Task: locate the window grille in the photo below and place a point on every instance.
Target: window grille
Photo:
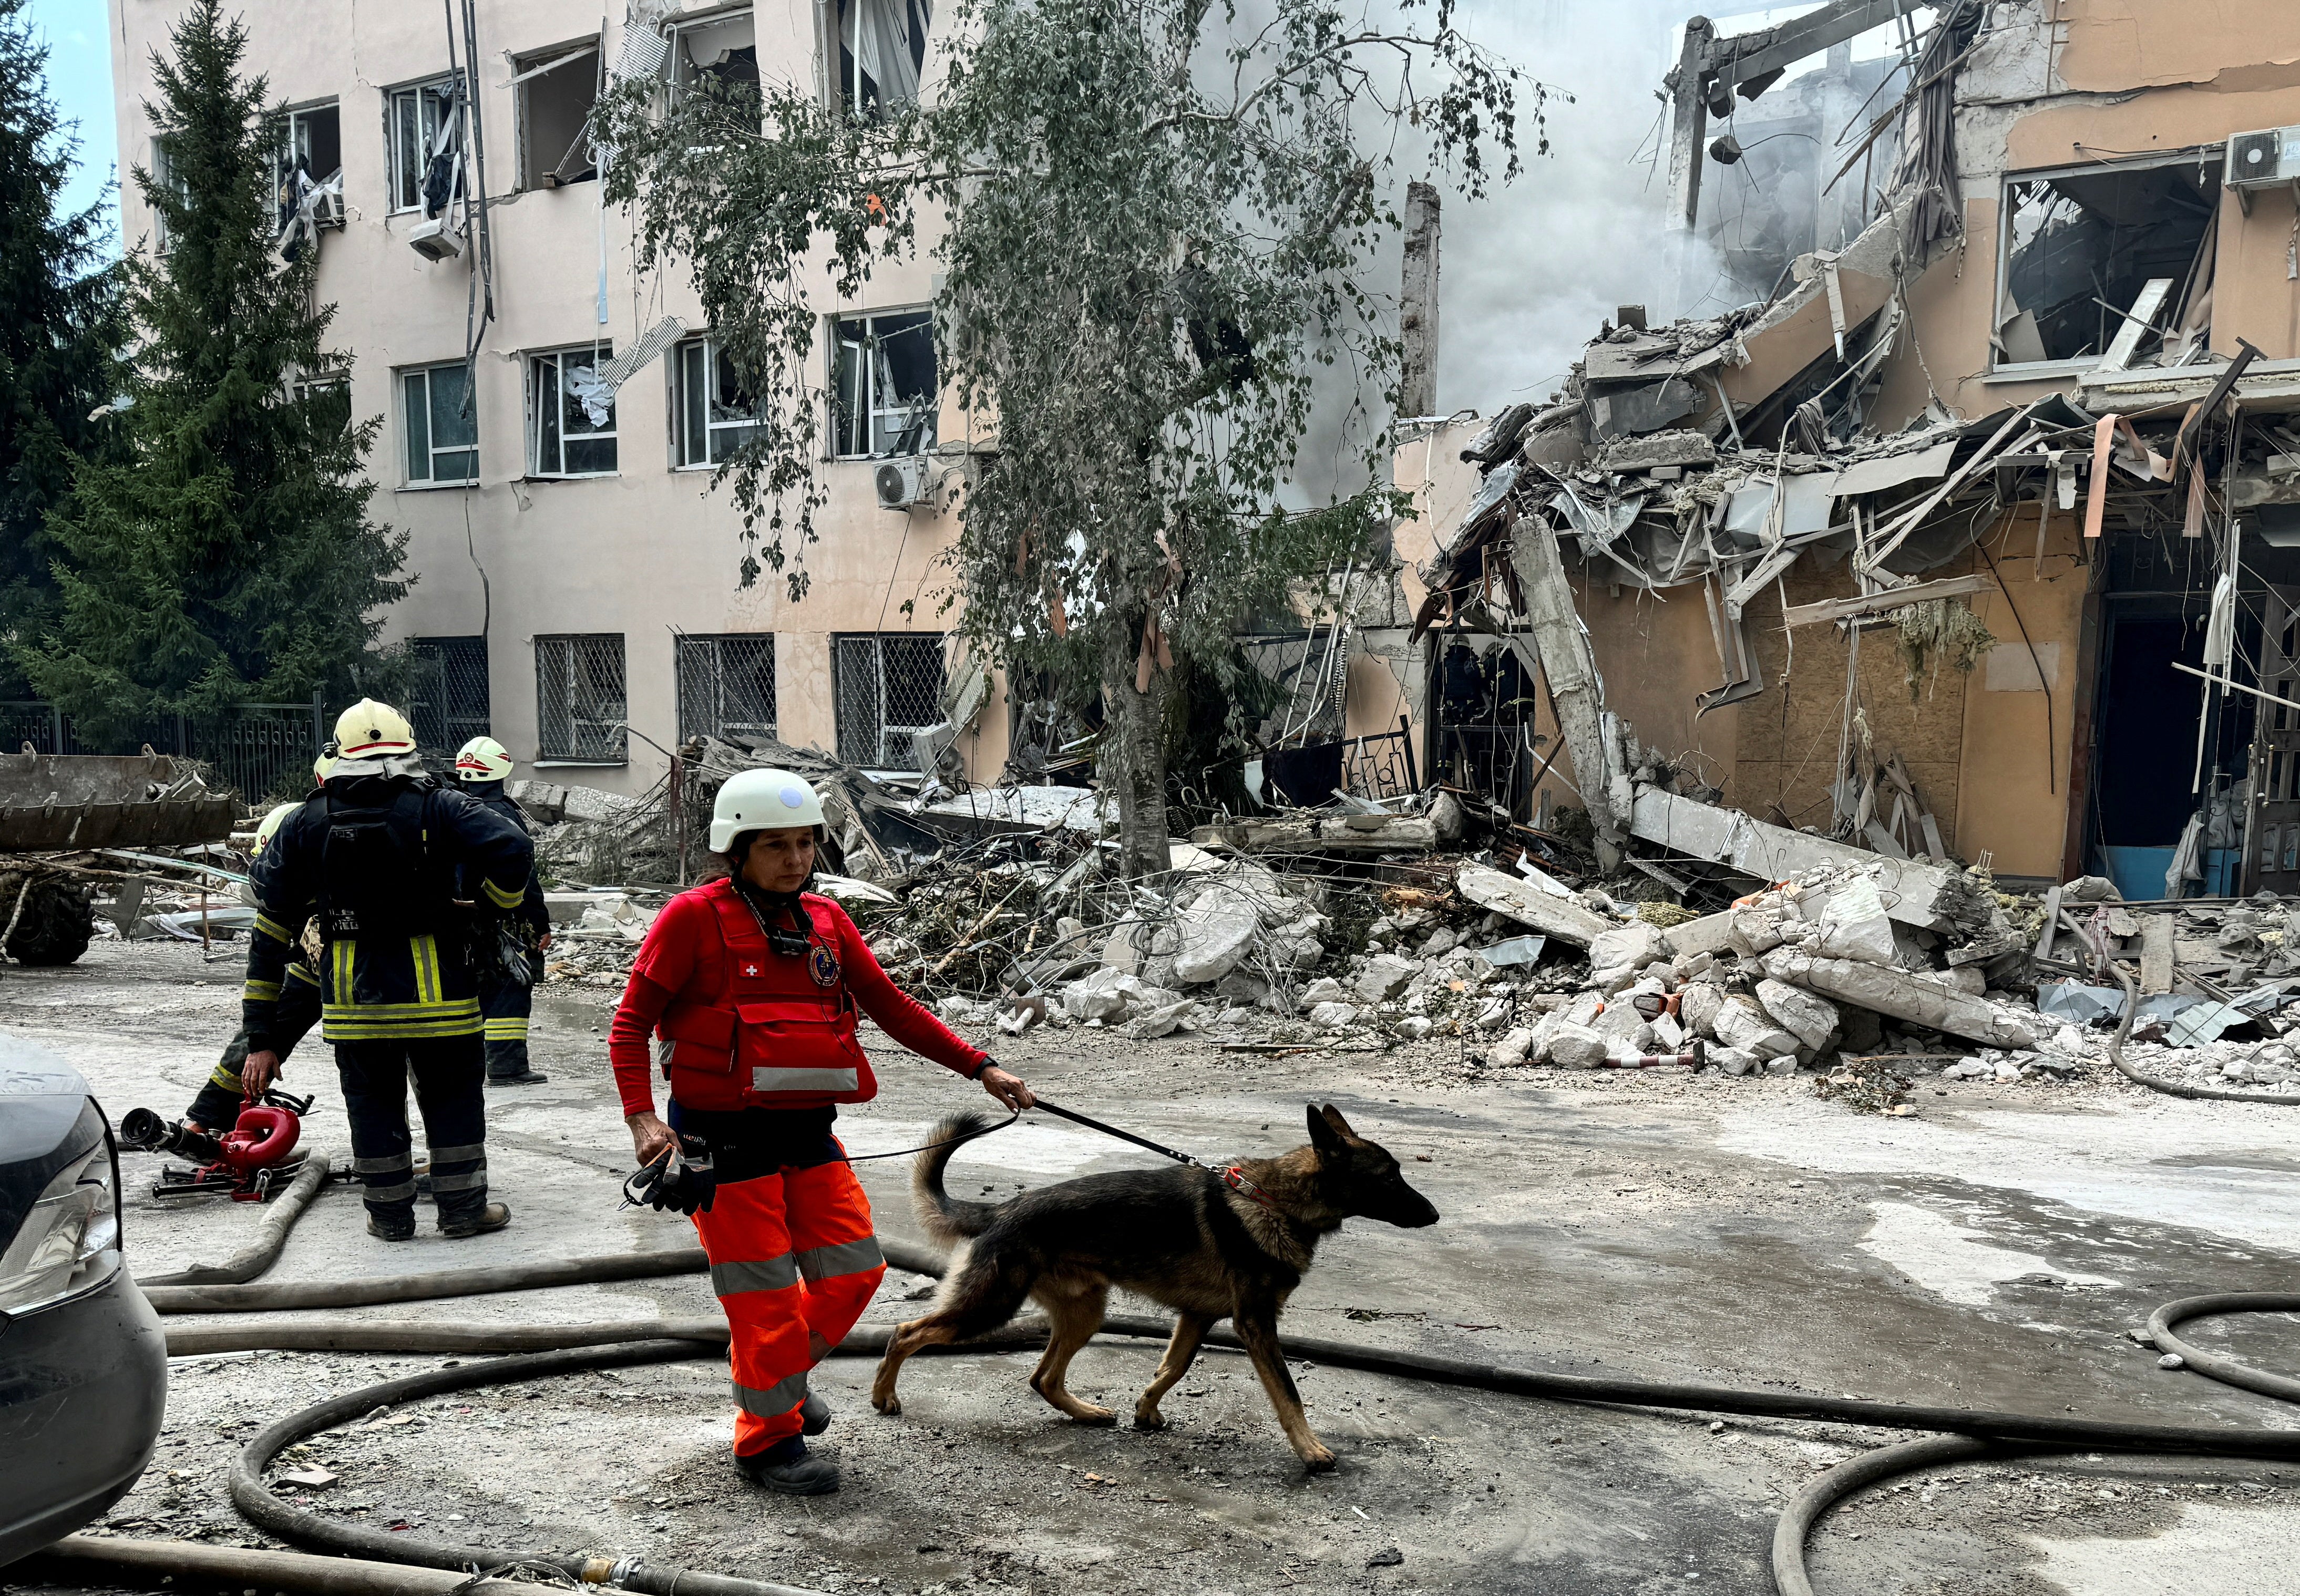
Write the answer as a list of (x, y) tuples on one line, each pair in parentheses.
[(882, 385), (727, 686), (580, 703), (716, 416), (571, 414), (888, 688), (424, 126), (441, 425), (449, 704)]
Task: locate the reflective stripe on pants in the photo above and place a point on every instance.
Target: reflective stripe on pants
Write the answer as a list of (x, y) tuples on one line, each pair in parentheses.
[(793, 1259)]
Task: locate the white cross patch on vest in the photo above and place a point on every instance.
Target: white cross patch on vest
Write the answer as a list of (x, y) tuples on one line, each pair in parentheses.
[(750, 969)]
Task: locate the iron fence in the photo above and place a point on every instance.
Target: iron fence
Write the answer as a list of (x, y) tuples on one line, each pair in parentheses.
[(888, 689), (259, 750), (727, 686)]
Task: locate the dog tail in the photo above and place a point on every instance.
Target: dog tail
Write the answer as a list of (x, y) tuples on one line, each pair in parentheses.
[(948, 1220)]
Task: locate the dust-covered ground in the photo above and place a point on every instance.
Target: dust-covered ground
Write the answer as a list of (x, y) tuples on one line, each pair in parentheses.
[(1990, 1252)]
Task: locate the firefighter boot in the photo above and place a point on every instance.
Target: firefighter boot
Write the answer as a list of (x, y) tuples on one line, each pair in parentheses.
[(786, 1467), (495, 1216), (815, 1416)]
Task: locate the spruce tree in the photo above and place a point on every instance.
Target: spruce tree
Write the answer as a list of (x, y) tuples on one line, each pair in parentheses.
[(229, 557), (56, 340)]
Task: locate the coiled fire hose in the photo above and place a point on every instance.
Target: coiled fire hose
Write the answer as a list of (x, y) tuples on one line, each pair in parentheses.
[(538, 1351)]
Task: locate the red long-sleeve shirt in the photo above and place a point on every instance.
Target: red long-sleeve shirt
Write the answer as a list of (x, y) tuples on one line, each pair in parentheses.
[(666, 964)]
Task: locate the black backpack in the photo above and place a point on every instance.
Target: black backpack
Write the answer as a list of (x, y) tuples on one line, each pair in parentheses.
[(377, 877)]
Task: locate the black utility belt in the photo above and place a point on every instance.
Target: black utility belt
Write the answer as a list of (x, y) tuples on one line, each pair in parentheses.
[(746, 1143)]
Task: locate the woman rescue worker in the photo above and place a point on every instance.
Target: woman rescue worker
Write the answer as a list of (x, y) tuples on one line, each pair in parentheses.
[(747, 988)]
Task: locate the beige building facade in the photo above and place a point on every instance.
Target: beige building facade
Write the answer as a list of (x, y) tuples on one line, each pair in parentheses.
[(578, 585)]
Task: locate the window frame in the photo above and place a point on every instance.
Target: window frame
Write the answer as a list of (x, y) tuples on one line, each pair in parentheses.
[(677, 63), (163, 175), (302, 388), (833, 389), (680, 420), (290, 120), (410, 482), (551, 643), (443, 87), (532, 363), (841, 689), (2001, 368), (456, 728), (526, 74), (686, 646)]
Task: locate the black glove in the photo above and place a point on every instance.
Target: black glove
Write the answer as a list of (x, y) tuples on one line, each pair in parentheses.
[(681, 1180)]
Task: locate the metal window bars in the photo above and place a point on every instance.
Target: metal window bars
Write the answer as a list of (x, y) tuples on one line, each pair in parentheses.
[(888, 689), (580, 700), (448, 701), (727, 686), (262, 751)]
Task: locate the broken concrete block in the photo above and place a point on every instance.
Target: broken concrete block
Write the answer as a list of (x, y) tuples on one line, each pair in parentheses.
[(1385, 975), (1621, 1020), (1242, 986), (1160, 1020), (1669, 1035), (589, 803), (1511, 1049), (1675, 448), (1753, 930), (1120, 953), (1853, 925), (1707, 934), (1920, 1000), (1211, 936), (1632, 946), (1810, 1019), (1325, 989), (1527, 905), (1785, 1065), (1101, 995), (1741, 1024), (1414, 1027), (1732, 1060), (1495, 1016), (1583, 1009), (544, 801), (1334, 1017), (1915, 890), (1697, 1007), (1574, 1047)]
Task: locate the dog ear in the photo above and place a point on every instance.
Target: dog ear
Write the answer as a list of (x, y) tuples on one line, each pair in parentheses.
[(1329, 1131)]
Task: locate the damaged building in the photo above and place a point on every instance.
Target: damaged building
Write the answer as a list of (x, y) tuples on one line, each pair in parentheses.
[(1978, 537)]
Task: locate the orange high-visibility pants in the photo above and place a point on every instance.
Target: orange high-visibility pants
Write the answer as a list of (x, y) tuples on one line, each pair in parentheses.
[(794, 1263)]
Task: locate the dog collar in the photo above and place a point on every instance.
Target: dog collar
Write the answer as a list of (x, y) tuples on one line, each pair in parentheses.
[(1235, 1179)]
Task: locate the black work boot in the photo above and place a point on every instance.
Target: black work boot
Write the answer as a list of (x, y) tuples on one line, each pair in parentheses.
[(813, 1415), (531, 1077), (786, 1467), (495, 1216), (391, 1227)]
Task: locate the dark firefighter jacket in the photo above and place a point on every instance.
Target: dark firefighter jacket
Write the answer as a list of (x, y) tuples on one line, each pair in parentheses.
[(533, 910), (379, 988)]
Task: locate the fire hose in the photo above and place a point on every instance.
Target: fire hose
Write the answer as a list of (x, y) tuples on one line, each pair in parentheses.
[(538, 1351)]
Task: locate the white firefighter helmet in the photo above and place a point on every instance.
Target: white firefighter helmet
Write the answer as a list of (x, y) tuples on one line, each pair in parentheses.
[(371, 730), (483, 758), (325, 765), (762, 801), (270, 827)]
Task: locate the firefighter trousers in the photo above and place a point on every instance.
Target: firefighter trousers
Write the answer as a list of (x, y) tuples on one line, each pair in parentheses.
[(794, 1262), (506, 1006), (448, 1094)]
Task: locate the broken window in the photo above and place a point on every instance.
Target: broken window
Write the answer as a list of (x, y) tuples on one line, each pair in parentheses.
[(2112, 264), (426, 147), (310, 151), (882, 390), (441, 425), (716, 414), (727, 686), (721, 49), (571, 414), (882, 51), (326, 398), (581, 703), (447, 704), (888, 689), (557, 89)]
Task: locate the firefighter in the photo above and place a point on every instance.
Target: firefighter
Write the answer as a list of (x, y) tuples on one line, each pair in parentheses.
[(376, 855), (753, 986), (297, 995), (507, 995)]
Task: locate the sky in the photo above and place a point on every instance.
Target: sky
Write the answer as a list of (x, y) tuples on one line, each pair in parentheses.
[(80, 78)]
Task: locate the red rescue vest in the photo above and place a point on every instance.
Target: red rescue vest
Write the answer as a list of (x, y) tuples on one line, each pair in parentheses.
[(757, 1029)]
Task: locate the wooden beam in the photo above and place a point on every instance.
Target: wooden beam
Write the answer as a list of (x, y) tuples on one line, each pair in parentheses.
[(1877, 604)]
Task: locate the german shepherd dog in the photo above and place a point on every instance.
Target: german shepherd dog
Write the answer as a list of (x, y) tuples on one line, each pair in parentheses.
[(1209, 1245)]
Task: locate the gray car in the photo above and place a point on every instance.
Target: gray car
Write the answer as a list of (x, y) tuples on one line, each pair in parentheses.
[(83, 1362)]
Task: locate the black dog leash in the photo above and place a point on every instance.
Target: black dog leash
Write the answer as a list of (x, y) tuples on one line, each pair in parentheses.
[(1111, 1130)]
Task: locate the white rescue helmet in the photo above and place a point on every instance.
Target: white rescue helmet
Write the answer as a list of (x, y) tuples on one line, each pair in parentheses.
[(325, 765), (762, 801), (271, 824), (371, 730), (483, 758)]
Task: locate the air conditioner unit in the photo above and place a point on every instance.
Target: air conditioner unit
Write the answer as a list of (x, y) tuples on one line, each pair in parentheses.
[(901, 483), (438, 239), (2267, 159)]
